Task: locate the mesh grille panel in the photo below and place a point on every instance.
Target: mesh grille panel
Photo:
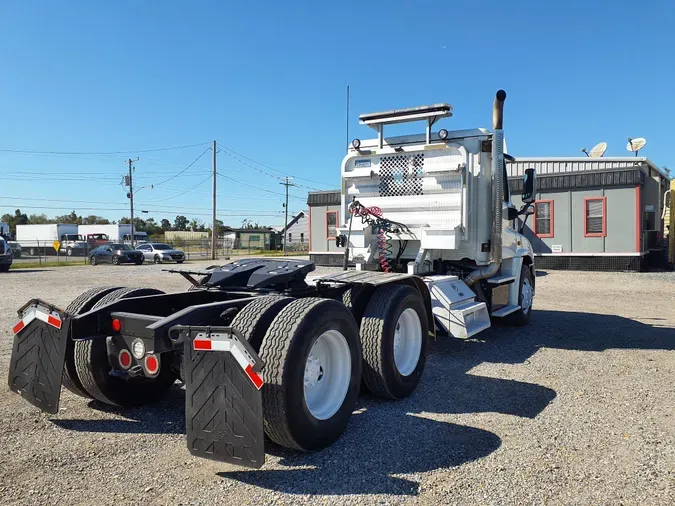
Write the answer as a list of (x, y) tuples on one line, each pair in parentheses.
[(401, 175)]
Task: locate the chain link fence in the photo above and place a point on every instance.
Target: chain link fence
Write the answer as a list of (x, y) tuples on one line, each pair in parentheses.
[(42, 253)]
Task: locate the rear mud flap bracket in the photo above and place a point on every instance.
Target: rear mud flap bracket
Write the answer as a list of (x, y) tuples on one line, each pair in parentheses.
[(223, 400)]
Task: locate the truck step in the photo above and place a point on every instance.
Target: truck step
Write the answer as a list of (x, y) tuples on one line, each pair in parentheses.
[(501, 280), (464, 320), (506, 310)]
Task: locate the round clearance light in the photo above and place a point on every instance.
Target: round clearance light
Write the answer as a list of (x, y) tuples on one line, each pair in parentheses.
[(116, 325), (356, 143), (443, 134), (138, 348), (151, 365), (124, 359)]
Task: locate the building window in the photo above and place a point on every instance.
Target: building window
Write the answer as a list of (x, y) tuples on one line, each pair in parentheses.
[(290, 237), (595, 216), (543, 218), (331, 224), (302, 237)]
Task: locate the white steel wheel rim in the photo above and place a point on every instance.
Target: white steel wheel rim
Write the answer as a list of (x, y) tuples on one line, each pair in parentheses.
[(328, 371), (526, 302), (407, 341)]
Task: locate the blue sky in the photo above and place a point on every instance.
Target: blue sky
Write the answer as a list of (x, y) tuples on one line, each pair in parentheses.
[(268, 81)]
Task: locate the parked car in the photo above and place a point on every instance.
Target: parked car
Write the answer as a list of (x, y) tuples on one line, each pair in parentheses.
[(159, 252), (115, 254), (5, 255), (16, 248)]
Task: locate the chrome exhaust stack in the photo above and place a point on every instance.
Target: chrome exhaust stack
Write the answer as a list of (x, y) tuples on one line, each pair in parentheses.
[(497, 192)]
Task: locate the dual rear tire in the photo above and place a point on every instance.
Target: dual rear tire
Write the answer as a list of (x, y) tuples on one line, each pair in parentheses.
[(316, 359), (87, 368)]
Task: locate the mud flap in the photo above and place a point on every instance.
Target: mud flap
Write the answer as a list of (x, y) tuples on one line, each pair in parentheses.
[(38, 355), (223, 401)]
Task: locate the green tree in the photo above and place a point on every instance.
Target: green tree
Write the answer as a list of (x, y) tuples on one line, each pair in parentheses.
[(71, 218), (95, 220), (38, 219), (18, 218), (180, 223), (166, 225)]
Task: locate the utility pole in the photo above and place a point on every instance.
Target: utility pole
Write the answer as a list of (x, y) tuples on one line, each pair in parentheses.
[(214, 233), (286, 184), (131, 197)]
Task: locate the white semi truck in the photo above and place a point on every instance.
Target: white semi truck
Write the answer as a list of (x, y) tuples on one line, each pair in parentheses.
[(39, 239), (263, 349)]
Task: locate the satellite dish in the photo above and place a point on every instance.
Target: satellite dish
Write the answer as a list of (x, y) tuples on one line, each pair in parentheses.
[(636, 144), (598, 150)]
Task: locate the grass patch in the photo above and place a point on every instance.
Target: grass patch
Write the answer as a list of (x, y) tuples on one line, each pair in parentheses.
[(37, 265)]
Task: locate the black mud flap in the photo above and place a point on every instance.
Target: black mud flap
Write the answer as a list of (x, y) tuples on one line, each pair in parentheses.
[(223, 401), (38, 355)]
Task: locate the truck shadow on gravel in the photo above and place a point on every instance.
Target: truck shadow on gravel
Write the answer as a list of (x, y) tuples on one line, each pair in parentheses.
[(418, 434), (408, 437)]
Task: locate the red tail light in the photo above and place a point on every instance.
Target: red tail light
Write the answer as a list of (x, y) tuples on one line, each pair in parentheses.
[(116, 325), (151, 365), (124, 359)]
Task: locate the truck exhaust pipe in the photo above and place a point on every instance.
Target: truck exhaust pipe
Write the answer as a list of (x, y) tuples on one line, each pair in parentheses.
[(497, 192)]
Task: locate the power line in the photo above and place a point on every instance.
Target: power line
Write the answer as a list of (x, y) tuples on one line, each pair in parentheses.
[(73, 153), (184, 192), (156, 208), (226, 149), (186, 168), (257, 187)]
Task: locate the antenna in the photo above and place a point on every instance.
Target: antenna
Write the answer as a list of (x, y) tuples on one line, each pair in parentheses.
[(636, 144), (598, 150)]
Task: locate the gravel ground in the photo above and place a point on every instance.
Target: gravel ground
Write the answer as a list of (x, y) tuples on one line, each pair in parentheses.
[(577, 408)]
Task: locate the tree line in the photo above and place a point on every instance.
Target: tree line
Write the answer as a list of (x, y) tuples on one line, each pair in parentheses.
[(149, 225)]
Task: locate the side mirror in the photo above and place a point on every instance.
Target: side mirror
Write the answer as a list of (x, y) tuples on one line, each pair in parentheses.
[(529, 186), (529, 210)]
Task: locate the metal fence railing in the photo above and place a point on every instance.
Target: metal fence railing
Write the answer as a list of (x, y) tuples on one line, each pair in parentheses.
[(42, 253)]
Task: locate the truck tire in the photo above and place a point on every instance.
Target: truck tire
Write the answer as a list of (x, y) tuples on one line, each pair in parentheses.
[(5, 267), (69, 251), (356, 299), (256, 317), (80, 305), (311, 340), (91, 362), (394, 332), (525, 298)]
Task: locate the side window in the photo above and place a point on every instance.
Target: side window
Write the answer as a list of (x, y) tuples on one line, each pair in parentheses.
[(331, 224), (302, 237), (543, 218), (290, 237), (595, 217)]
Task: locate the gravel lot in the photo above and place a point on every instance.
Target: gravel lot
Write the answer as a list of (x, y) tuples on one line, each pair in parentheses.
[(577, 408)]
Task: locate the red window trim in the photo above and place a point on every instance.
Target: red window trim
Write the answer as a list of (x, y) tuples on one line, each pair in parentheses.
[(604, 217), (326, 222), (534, 216)]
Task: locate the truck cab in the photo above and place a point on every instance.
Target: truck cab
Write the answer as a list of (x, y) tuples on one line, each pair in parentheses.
[(73, 244), (96, 240), (436, 204)]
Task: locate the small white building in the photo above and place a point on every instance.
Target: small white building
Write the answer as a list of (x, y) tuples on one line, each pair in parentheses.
[(297, 232)]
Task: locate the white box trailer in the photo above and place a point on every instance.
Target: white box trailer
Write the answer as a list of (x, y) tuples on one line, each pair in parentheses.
[(115, 233), (39, 239)]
